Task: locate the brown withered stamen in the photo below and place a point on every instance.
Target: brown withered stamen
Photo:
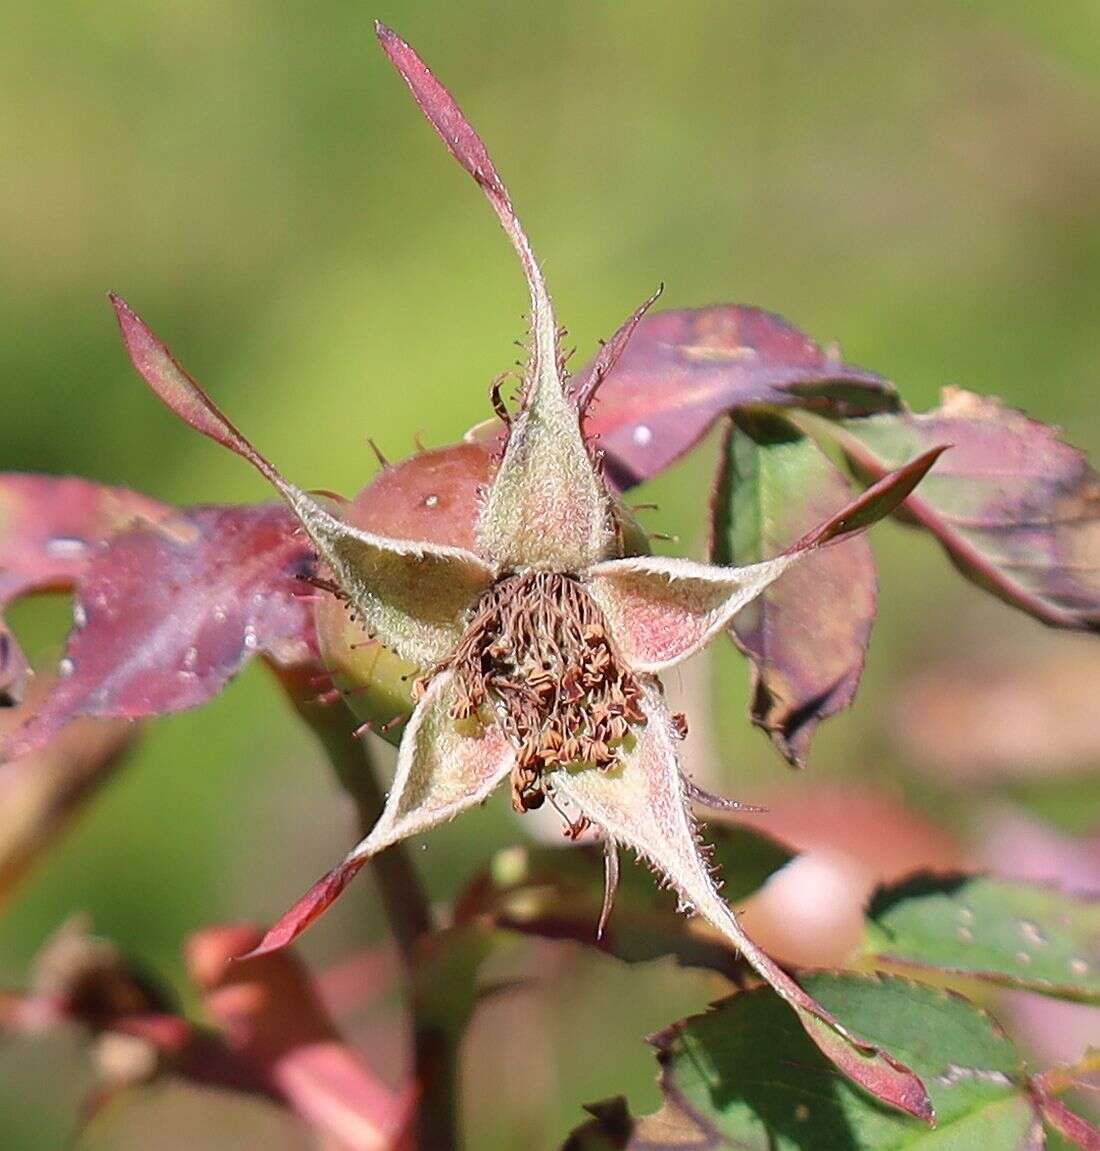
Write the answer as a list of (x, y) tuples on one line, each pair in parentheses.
[(537, 655)]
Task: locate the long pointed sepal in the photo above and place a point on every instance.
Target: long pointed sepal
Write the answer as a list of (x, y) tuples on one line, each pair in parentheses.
[(444, 767), (662, 610), (412, 596), (642, 805), (547, 506), (466, 146)]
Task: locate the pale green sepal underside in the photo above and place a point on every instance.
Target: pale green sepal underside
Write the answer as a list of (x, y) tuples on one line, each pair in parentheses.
[(443, 768), (662, 610), (641, 804), (547, 507), (411, 596)]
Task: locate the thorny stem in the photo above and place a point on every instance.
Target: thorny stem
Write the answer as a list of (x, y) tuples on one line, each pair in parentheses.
[(404, 901)]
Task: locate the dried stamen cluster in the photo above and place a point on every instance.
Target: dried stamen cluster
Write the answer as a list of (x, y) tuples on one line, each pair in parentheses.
[(537, 653)]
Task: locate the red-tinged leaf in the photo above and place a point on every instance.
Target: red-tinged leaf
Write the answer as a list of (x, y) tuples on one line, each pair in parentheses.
[(42, 793), (663, 610), (807, 634), (165, 615), (50, 528), (683, 370), (1015, 508)]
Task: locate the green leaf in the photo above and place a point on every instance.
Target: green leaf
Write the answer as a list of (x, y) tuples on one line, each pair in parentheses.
[(1019, 934), (807, 634), (745, 1076), (557, 892)]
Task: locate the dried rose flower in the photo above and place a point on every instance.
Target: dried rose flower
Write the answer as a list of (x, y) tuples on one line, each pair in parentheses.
[(538, 653)]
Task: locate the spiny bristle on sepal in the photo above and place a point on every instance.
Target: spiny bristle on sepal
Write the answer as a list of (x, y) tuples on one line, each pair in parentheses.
[(610, 884), (706, 798)]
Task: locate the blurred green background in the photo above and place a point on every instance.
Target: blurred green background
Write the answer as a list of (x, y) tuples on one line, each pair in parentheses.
[(918, 182)]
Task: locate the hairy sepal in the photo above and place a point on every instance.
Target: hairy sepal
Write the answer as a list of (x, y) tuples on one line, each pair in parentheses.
[(443, 768), (663, 610), (641, 804), (410, 595), (547, 506)]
